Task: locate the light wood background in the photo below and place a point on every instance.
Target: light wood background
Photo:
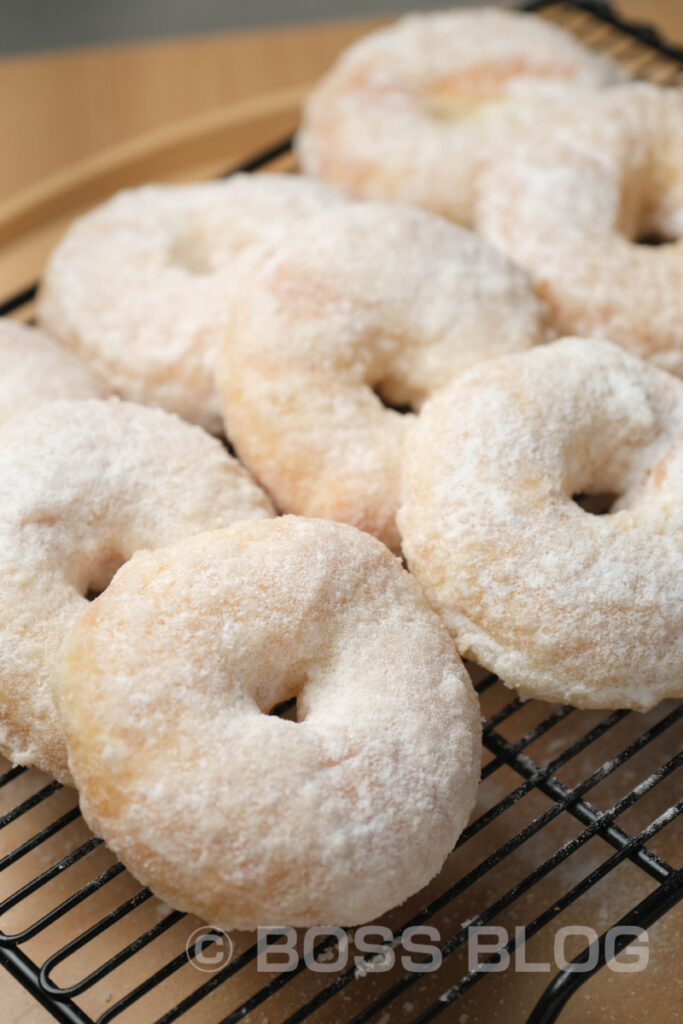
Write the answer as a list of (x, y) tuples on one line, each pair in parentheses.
[(57, 110)]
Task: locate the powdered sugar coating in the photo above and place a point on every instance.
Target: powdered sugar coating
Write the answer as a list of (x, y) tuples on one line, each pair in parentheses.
[(34, 368), (242, 817), (366, 297), (572, 199), (562, 604), (84, 485), (140, 287), (414, 111)]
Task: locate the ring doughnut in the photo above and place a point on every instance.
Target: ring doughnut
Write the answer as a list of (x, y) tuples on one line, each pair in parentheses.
[(84, 485), (34, 369), (140, 286), (572, 205), (212, 801), (413, 111), (562, 604), (365, 298)]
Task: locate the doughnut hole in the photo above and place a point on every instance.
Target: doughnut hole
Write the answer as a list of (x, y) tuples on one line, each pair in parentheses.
[(598, 492), (403, 376), (401, 407), (652, 201), (286, 709), (281, 698), (596, 504), (398, 387), (461, 94), (190, 252), (653, 238), (602, 456), (448, 99), (99, 573)]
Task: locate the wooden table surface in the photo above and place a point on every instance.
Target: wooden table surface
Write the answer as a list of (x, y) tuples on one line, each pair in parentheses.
[(57, 110)]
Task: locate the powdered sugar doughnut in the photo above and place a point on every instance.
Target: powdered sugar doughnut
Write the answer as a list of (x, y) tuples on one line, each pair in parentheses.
[(34, 369), (366, 298), (562, 604), (233, 813), (571, 205), (84, 485), (415, 110), (140, 287)]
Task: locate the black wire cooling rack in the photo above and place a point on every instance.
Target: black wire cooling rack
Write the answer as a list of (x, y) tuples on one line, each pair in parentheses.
[(577, 823)]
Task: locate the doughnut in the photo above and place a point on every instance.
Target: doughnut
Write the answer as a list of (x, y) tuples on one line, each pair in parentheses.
[(366, 298), (140, 286), (573, 204), (415, 110), (564, 604), (84, 485), (34, 369), (165, 688)]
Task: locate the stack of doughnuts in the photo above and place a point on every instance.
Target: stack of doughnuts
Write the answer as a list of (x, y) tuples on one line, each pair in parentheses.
[(426, 469)]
